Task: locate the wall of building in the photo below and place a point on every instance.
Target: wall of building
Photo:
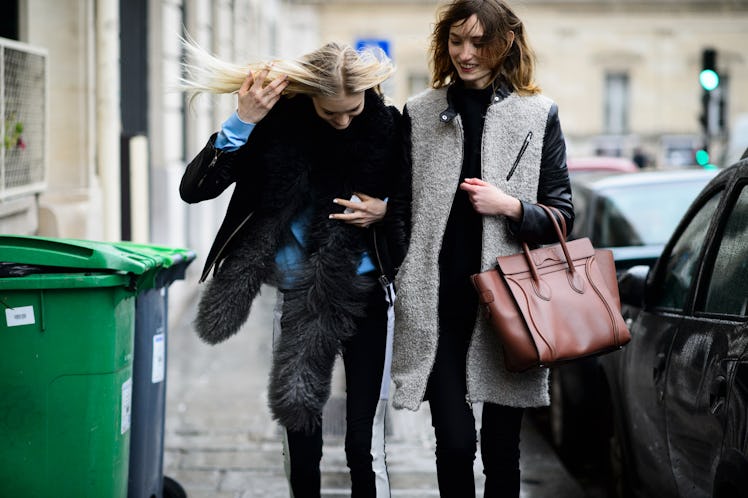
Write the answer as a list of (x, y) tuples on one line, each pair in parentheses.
[(72, 205), (656, 44)]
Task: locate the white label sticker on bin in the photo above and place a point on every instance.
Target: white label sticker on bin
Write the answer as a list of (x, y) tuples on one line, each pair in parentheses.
[(159, 357), (22, 315), (126, 406)]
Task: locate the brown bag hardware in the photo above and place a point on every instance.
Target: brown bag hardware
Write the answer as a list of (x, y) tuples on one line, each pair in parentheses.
[(553, 304)]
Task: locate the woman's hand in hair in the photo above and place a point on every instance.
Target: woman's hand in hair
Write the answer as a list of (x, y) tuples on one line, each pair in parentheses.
[(362, 212), (256, 100), (490, 200)]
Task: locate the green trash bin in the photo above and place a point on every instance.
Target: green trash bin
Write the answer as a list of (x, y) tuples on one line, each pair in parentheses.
[(146, 477), (66, 366)]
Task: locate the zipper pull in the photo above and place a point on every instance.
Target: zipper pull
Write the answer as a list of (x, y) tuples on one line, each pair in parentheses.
[(215, 158), (210, 166)]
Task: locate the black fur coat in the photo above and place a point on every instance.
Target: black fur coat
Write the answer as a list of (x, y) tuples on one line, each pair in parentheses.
[(294, 160)]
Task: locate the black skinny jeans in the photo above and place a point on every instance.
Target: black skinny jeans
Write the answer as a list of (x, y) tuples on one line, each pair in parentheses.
[(363, 359), (454, 424)]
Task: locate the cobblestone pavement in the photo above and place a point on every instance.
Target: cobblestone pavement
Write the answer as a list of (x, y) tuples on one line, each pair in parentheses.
[(221, 443)]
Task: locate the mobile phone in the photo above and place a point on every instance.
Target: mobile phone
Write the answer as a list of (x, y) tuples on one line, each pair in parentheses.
[(354, 198)]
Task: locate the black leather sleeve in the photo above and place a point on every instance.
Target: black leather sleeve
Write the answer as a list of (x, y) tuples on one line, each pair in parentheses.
[(397, 220), (213, 170), (208, 174), (553, 188)]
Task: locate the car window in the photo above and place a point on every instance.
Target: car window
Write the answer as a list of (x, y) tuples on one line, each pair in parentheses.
[(728, 286), (644, 215), (613, 228), (681, 264), (580, 201)]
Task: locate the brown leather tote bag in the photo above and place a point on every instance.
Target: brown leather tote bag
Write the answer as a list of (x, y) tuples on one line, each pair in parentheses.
[(553, 304)]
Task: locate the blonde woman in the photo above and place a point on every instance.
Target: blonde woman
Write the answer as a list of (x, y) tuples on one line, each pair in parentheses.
[(313, 151), (486, 146)]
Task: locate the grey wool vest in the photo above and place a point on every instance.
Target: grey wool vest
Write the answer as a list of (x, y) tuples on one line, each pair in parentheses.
[(437, 157)]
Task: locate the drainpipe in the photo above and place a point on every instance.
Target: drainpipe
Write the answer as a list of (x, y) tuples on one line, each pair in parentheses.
[(108, 121)]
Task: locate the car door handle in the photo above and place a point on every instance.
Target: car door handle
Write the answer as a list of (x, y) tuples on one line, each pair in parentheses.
[(717, 394)]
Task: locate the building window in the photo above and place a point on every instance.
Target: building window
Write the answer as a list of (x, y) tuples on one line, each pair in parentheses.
[(9, 20), (616, 103), (23, 81)]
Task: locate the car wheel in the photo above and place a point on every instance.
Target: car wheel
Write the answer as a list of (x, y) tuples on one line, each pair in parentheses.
[(731, 478)]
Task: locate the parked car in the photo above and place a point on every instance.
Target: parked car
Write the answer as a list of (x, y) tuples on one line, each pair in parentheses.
[(591, 164), (633, 214), (679, 390)]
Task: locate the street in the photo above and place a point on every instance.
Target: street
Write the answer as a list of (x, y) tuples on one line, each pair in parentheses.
[(220, 441)]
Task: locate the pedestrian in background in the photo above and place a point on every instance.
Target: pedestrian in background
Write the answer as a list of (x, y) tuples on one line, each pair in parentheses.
[(486, 146), (640, 158), (312, 151)]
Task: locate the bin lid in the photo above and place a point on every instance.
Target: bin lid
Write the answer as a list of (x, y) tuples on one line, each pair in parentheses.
[(162, 256), (72, 253), (170, 263)]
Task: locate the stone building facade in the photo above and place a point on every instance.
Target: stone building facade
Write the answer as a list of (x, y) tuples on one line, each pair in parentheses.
[(117, 135)]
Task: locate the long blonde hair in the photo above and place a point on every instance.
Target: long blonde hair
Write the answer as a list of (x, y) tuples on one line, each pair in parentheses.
[(332, 70)]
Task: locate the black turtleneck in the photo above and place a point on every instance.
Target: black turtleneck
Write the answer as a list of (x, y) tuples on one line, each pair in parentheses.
[(460, 255)]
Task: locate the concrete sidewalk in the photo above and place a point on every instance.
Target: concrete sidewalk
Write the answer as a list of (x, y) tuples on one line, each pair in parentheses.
[(220, 441)]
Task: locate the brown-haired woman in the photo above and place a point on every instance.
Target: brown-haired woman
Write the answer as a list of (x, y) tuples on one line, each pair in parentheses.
[(486, 146)]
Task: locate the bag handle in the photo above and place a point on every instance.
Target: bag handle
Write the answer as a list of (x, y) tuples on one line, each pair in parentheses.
[(559, 222), (575, 282)]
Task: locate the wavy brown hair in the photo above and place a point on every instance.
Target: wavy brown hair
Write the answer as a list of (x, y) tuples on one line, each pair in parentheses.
[(514, 62)]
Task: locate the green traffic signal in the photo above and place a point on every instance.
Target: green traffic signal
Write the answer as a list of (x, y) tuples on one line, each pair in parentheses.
[(702, 157), (709, 79)]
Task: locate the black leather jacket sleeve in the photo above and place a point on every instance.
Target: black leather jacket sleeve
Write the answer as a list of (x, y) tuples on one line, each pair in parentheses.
[(207, 175), (397, 219), (389, 237), (213, 170), (553, 189)]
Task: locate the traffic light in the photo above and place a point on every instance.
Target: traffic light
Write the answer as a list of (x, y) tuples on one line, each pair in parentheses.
[(712, 101), (703, 159), (709, 77)]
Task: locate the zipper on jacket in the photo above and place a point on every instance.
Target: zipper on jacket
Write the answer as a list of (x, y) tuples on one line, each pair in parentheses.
[(383, 280), (223, 247), (210, 165), (519, 155), (215, 158)]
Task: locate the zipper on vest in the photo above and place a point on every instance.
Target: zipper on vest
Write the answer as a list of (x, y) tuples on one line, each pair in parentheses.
[(519, 155)]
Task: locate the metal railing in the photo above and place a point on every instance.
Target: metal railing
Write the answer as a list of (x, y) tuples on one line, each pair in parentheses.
[(23, 125)]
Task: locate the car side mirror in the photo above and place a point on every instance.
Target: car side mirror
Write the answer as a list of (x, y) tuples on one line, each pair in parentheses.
[(632, 285)]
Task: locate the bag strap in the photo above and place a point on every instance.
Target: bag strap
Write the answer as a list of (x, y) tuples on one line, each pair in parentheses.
[(557, 216), (561, 239)]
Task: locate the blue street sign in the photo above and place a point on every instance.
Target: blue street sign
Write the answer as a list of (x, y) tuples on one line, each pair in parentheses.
[(363, 43)]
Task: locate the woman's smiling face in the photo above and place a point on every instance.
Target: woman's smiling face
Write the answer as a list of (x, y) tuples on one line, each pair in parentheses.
[(466, 52)]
